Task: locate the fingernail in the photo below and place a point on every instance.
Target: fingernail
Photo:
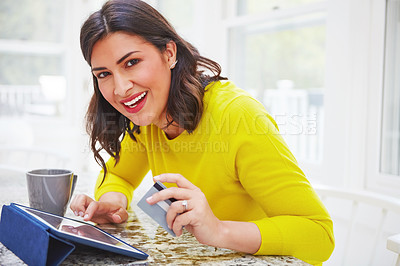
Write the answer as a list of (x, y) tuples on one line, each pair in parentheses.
[(76, 213), (86, 216), (81, 214), (157, 177), (149, 199)]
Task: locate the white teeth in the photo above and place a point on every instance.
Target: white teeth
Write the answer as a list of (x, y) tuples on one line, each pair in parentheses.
[(135, 100)]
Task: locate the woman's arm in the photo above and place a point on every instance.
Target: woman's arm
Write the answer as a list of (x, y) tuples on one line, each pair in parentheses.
[(296, 222), (240, 236), (199, 219), (114, 192)]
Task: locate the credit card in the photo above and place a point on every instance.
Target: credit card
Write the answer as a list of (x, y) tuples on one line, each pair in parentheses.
[(159, 210)]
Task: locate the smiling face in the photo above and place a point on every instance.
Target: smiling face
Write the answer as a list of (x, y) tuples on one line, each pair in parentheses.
[(134, 76)]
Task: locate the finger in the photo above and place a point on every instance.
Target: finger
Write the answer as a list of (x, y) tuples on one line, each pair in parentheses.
[(172, 192), (120, 216), (175, 209), (104, 212), (79, 204), (180, 222), (76, 202), (92, 208), (116, 218), (178, 179)]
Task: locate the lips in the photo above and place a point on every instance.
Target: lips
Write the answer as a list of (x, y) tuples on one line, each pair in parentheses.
[(135, 103)]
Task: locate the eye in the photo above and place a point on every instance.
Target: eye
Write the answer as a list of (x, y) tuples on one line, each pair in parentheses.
[(103, 75), (132, 62)]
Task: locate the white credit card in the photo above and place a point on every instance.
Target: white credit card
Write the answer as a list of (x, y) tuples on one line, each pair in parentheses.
[(159, 210), (163, 205)]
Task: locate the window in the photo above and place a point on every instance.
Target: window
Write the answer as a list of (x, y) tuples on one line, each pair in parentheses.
[(251, 7), (383, 108), (279, 57), (390, 138), (177, 12), (32, 57)]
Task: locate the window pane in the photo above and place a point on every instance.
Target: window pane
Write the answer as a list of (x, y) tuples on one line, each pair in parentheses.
[(39, 20), (390, 148), (178, 12), (31, 85), (20, 69), (249, 7), (32, 82), (286, 52), (283, 65)]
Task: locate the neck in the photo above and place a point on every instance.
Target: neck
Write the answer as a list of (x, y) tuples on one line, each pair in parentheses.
[(173, 131)]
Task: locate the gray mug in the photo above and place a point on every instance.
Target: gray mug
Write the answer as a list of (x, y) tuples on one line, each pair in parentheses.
[(50, 190)]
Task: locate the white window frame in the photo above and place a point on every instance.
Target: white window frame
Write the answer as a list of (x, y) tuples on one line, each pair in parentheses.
[(313, 170), (356, 36), (68, 49), (347, 59), (66, 132), (352, 96), (375, 180)]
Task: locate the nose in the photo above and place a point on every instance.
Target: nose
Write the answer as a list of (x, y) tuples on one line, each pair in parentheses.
[(121, 84)]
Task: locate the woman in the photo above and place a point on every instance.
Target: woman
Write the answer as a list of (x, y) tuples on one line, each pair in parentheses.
[(158, 105)]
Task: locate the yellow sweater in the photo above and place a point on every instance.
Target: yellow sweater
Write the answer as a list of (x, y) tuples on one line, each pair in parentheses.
[(243, 166)]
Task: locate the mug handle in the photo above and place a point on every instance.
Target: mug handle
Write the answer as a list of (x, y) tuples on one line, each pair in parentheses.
[(74, 184)]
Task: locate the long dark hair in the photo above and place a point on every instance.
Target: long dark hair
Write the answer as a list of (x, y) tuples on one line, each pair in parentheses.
[(105, 125)]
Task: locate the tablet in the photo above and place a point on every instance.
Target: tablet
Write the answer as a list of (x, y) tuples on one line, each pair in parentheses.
[(83, 233)]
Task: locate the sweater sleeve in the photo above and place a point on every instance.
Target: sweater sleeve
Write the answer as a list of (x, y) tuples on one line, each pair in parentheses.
[(126, 175), (296, 223)]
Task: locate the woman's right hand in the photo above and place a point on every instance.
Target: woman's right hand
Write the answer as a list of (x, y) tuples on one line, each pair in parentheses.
[(111, 208)]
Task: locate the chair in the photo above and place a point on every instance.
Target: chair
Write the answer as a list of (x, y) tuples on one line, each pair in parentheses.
[(393, 244), (363, 223)]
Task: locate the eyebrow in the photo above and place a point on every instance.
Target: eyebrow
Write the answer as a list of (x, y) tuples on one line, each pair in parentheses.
[(125, 56), (118, 62)]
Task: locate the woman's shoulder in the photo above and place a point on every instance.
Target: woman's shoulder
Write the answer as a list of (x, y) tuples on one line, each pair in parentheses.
[(224, 96), (233, 107), (223, 90)]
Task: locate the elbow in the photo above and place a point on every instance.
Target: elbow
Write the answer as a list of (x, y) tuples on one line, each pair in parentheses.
[(329, 242), (321, 247), (326, 247), (328, 250), (317, 255)]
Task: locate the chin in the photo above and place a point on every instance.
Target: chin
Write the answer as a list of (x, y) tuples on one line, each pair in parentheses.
[(141, 122)]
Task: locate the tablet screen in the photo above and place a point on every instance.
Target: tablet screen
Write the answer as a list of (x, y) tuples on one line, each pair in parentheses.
[(78, 229)]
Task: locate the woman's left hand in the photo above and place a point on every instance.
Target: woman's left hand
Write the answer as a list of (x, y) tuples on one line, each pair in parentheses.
[(197, 217)]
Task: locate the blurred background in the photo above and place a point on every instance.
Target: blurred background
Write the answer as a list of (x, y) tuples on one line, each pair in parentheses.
[(326, 70)]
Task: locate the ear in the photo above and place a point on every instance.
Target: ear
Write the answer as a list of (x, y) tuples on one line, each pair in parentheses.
[(170, 52)]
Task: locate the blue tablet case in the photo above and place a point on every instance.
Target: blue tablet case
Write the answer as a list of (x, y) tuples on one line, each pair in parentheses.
[(31, 241)]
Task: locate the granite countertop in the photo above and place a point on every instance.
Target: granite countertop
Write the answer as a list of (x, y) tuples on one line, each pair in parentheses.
[(141, 232)]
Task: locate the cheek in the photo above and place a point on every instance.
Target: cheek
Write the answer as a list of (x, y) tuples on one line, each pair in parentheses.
[(104, 93), (107, 94), (155, 76), (104, 88)]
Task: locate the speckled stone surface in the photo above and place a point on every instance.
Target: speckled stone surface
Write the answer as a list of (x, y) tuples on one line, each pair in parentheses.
[(141, 232)]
